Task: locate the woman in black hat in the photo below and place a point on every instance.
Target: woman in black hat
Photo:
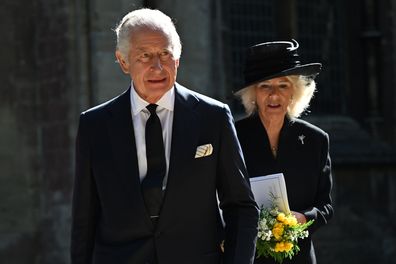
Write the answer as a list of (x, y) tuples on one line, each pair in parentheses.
[(278, 89)]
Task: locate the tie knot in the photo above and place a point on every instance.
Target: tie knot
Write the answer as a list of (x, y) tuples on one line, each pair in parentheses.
[(152, 108)]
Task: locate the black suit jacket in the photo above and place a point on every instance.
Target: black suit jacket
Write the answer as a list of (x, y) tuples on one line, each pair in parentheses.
[(110, 224), (306, 167)]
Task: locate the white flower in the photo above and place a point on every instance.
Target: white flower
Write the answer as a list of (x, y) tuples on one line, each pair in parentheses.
[(268, 235), (263, 224), (274, 212), (265, 235)]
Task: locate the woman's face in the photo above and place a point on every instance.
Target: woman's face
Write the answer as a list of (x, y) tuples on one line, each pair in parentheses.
[(273, 97)]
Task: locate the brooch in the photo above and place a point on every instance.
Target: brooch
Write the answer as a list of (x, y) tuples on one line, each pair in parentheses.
[(301, 138)]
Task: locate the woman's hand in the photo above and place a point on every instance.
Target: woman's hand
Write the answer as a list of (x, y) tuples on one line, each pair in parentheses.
[(301, 219)]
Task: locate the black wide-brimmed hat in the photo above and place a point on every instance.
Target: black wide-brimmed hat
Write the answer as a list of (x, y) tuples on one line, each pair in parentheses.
[(269, 60)]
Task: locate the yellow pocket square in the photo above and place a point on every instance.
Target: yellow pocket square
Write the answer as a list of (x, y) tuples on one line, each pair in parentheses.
[(203, 151)]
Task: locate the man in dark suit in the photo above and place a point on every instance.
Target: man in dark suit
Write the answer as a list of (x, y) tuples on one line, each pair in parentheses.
[(139, 198)]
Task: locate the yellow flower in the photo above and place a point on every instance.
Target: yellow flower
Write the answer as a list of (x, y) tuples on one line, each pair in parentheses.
[(288, 246), (291, 220), (281, 217), (279, 247), (277, 230), (283, 247)]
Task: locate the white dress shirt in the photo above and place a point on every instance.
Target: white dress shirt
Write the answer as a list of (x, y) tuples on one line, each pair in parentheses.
[(140, 114)]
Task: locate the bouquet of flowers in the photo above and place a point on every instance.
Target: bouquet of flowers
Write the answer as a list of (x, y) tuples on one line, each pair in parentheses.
[(278, 234)]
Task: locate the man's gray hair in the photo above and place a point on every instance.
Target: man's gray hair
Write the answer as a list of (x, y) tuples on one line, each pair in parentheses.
[(149, 18)]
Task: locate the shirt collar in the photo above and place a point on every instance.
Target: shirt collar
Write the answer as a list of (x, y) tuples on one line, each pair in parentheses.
[(167, 101)]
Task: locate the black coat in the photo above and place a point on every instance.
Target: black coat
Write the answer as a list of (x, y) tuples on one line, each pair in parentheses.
[(110, 224), (303, 158)]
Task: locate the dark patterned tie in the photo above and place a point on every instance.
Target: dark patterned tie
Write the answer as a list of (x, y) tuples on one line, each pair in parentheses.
[(156, 164)]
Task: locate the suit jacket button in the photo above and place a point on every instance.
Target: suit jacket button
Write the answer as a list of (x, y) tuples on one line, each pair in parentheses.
[(157, 234)]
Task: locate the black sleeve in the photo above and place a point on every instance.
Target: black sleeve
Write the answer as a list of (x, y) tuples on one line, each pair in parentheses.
[(240, 211), (322, 211), (85, 202)]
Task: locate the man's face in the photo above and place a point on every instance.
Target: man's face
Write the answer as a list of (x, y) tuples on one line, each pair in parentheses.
[(150, 64)]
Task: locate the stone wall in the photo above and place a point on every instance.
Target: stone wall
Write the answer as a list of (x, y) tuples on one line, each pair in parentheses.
[(362, 230), (36, 143), (364, 194), (107, 79)]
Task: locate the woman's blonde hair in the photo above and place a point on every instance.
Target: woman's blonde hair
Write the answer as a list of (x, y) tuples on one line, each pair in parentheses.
[(303, 91)]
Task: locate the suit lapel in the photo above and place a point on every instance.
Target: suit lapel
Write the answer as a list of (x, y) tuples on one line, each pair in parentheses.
[(185, 135), (123, 144)]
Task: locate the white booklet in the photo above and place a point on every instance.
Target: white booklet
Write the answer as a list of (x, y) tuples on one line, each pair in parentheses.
[(267, 187)]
